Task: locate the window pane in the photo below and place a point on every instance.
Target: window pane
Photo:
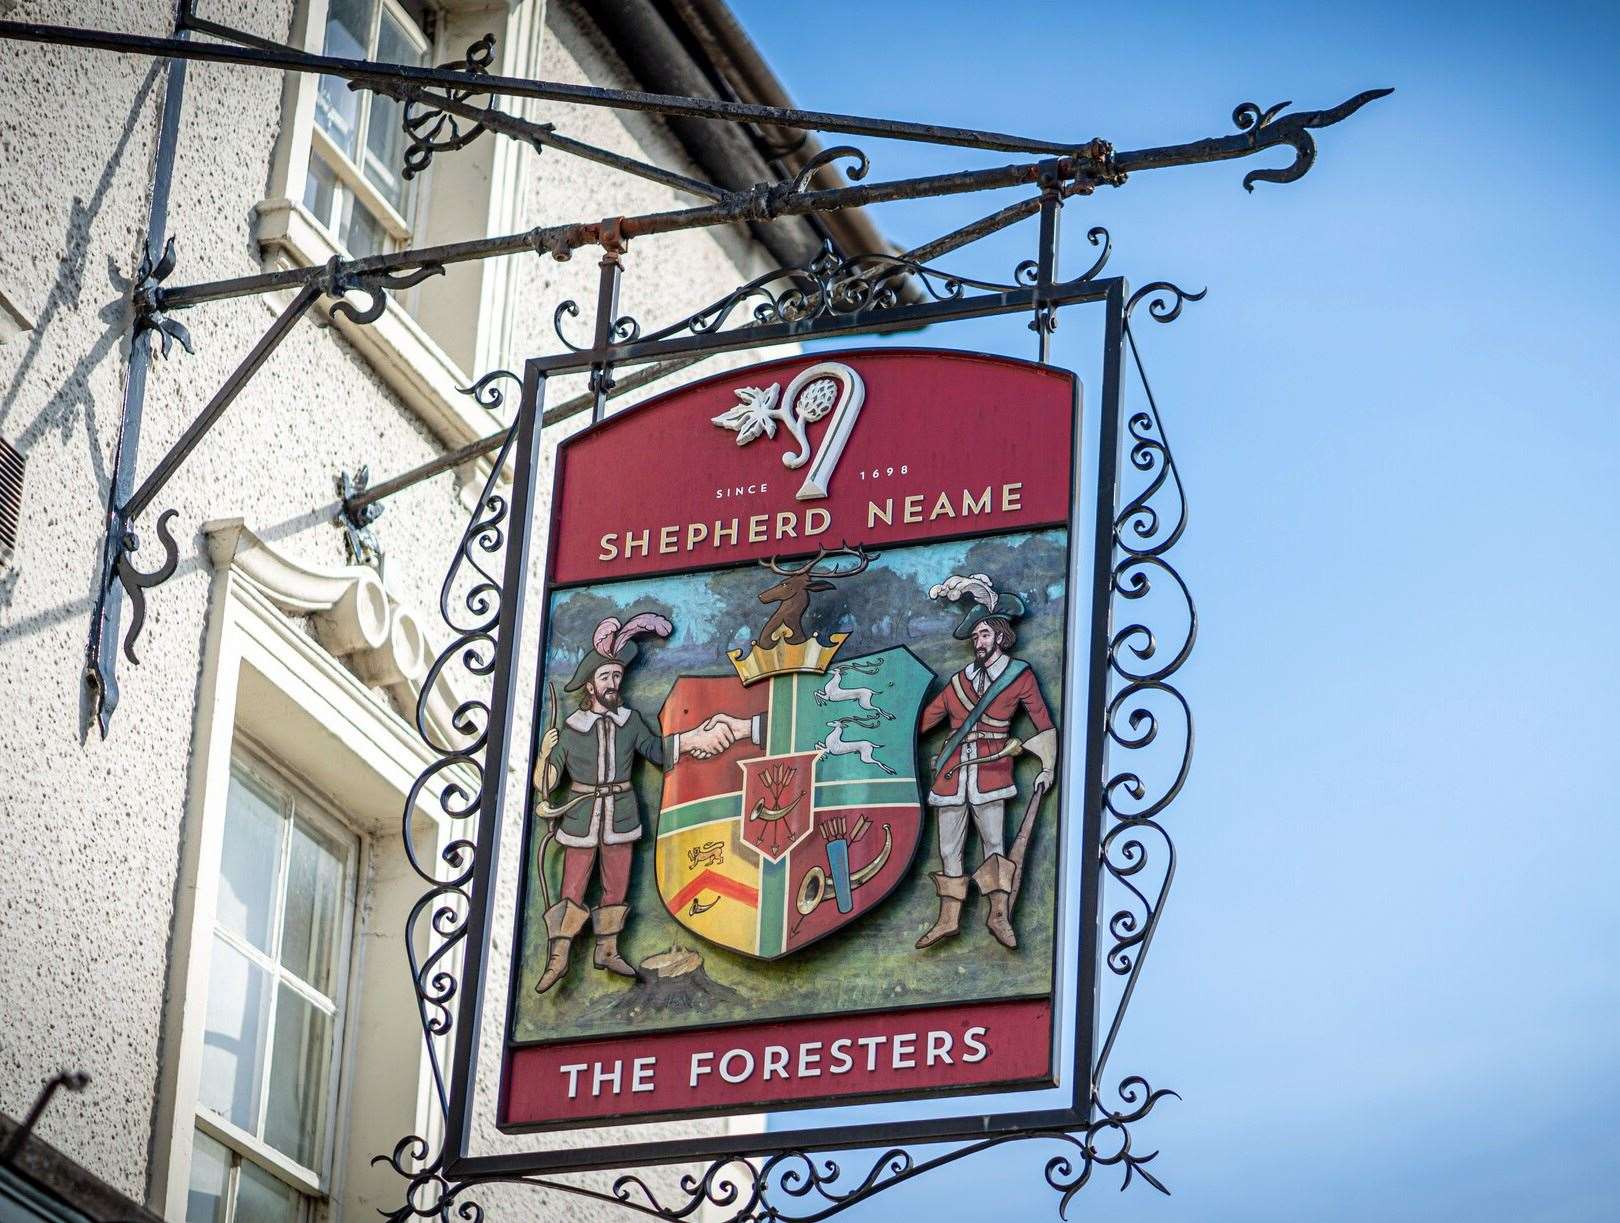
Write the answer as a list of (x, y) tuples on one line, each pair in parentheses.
[(295, 1121), (233, 1041), (320, 191), (363, 234), (261, 1198), (337, 107), (385, 139), (314, 907), (247, 868), (210, 1165)]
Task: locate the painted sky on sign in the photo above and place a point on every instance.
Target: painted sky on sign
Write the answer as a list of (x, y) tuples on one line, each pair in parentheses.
[(1387, 983)]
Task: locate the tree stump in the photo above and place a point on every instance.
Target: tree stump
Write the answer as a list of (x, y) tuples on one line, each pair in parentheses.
[(671, 982)]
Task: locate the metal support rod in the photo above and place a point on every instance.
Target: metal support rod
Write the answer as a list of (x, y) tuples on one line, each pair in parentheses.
[(607, 315), (240, 377), (504, 692), (1082, 169), (968, 234), (100, 669), (546, 91), (452, 459), (1094, 779), (1045, 320), (763, 203)]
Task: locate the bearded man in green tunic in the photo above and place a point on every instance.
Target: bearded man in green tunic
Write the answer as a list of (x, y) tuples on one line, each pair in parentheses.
[(597, 812)]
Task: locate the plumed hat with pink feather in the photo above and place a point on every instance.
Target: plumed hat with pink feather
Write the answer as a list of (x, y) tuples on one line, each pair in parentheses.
[(614, 642)]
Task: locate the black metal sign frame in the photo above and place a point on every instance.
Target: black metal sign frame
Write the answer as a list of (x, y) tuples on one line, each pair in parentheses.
[(1131, 700), (1120, 837)]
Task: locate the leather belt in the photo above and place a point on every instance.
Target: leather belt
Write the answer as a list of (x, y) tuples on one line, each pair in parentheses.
[(601, 791)]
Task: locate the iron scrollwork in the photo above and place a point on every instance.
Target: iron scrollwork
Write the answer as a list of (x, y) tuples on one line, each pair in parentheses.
[(829, 286), (136, 583), (433, 130), (470, 602), (339, 280), (486, 393), (1145, 710), (1267, 130), (148, 302)]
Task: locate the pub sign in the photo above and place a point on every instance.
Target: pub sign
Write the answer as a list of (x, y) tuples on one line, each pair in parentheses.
[(795, 822)]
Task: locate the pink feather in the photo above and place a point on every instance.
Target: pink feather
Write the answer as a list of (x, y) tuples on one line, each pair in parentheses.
[(602, 639), (637, 625)]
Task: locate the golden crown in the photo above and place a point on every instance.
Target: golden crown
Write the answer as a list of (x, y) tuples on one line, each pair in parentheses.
[(783, 658)]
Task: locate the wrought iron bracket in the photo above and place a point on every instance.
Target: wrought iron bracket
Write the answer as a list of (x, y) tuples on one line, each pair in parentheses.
[(359, 540), (147, 303), (120, 576)]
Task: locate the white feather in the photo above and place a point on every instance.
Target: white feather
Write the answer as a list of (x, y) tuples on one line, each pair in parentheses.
[(976, 586)]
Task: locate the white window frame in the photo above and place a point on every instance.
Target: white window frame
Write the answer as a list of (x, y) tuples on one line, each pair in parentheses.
[(351, 173), (313, 809), (271, 686), (487, 180)]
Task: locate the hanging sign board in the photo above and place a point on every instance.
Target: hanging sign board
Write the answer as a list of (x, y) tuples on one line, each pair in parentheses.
[(795, 829)]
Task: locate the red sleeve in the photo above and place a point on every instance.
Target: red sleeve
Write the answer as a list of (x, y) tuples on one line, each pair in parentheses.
[(934, 714), (1028, 691)]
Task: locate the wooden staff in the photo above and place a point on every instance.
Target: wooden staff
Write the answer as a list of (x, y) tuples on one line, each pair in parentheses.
[(547, 778)]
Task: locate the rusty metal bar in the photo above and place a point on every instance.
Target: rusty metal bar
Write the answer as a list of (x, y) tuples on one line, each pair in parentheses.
[(763, 203), (547, 91)]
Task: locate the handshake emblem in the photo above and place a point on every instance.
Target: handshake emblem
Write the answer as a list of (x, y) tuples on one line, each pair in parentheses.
[(716, 735)]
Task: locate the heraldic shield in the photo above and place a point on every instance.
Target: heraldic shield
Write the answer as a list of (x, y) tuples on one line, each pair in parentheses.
[(807, 821)]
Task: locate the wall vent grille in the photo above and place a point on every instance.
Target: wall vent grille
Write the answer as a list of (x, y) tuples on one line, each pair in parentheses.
[(11, 486)]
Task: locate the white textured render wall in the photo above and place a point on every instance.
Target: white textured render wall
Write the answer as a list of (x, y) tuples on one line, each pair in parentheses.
[(93, 829)]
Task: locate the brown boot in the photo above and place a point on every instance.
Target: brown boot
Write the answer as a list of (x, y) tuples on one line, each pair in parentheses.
[(564, 920), (952, 891), (608, 921), (995, 880)]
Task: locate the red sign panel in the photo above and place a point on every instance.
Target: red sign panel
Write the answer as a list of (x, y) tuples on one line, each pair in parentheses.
[(932, 445), (796, 814)]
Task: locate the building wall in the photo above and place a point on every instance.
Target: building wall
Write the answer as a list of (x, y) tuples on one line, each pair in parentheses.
[(96, 829)]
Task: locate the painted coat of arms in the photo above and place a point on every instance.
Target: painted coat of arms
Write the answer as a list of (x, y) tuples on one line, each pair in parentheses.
[(804, 810)]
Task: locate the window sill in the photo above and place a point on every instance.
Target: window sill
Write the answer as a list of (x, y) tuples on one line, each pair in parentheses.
[(403, 354)]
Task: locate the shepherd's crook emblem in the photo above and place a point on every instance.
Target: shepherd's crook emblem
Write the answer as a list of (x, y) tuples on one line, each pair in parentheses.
[(827, 386)]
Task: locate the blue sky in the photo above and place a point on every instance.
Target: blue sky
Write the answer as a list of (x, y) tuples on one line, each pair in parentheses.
[(1387, 984)]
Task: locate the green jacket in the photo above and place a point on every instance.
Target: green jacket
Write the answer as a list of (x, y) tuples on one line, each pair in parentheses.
[(595, 753)]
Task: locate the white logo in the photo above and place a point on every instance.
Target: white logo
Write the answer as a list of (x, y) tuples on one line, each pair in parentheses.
[(829, 386)]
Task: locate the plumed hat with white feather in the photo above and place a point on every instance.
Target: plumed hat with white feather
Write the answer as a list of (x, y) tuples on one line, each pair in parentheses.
[(614, 644), (984, 601)]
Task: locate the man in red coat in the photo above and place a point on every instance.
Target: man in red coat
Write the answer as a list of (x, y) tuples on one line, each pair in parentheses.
[(973, 774)]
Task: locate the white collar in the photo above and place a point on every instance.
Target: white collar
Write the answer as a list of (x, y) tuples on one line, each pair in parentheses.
[(993, 671), (584, 720)]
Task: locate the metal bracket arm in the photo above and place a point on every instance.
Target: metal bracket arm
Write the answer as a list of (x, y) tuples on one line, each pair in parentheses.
[(546, 91), (122, 542), (1078, 172)]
